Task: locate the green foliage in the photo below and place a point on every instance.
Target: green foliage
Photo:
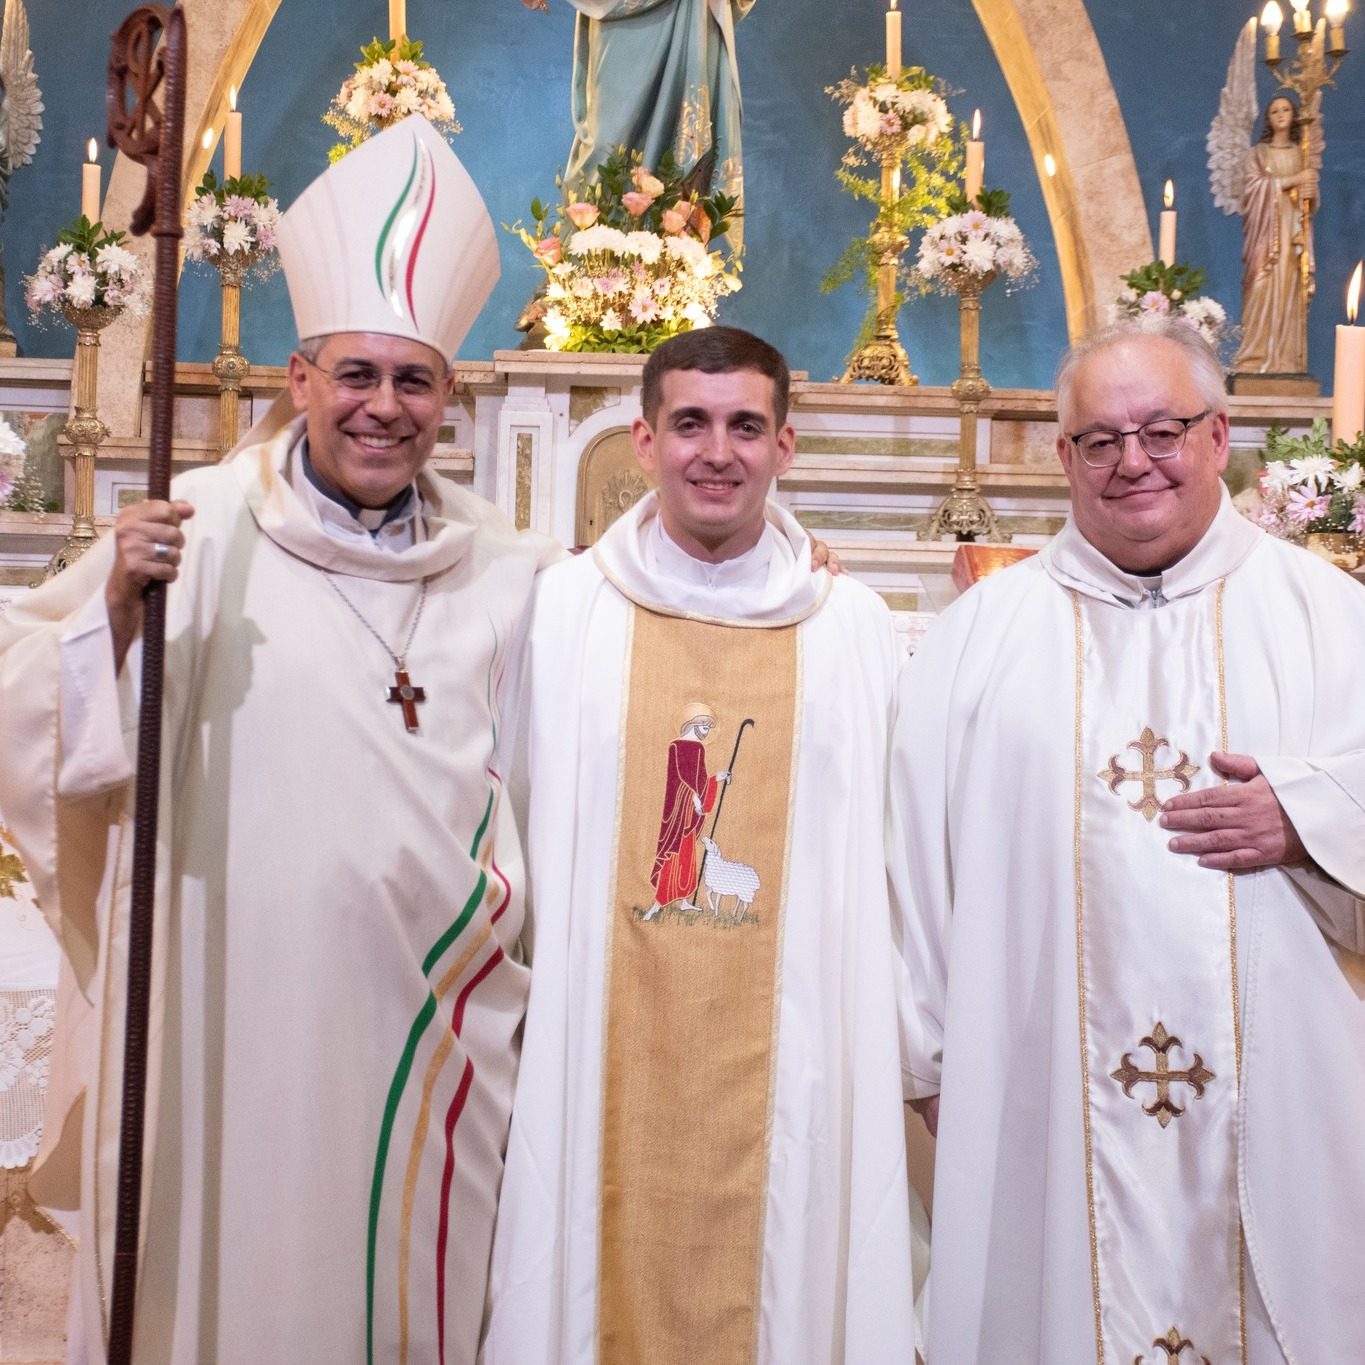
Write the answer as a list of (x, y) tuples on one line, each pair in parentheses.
[(87, 238), (1178, 282), (255, 187), (395, 50), (993, 203), (1281, 447)]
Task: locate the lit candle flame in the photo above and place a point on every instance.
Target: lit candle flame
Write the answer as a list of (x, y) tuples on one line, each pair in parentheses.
[(92, 150), (232, 97), (1169, 196), (208, 139), (976, 126), (1353, 293), (1049, 163), (1272, 17)]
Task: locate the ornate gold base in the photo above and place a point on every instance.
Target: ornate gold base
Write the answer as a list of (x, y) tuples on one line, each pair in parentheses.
[(73, 547), (965, 515), (883, 361)]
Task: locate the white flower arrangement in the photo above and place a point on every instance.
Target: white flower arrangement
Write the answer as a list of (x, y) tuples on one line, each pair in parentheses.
[(237, 220), (627, 258), (972, 243), (88, 268), (1155, 292), (13, 453), (886, 116), (1310, 485), (391, 81)]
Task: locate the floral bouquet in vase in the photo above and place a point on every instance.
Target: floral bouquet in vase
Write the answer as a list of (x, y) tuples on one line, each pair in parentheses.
[(972, 246), (1310, 489), (391, 81), (629, 259), (234, 223), (88, 270), (13, 453), (1159, 290)]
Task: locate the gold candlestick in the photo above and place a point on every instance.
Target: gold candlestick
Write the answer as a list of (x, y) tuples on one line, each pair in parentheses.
[(964, 514), (83, 431), (883, 359), (230, 366)]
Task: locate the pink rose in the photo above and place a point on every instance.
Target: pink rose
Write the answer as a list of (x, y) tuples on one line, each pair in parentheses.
[(646, 183), (582, 215), (637, 201), (549, 250), (675, 220)]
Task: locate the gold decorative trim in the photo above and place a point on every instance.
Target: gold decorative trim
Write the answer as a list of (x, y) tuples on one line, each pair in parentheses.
[(525, 448), (1223, 740), (1079, 637)]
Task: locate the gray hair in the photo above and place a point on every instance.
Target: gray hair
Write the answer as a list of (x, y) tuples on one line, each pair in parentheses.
[(1205, 368), (311, 347)]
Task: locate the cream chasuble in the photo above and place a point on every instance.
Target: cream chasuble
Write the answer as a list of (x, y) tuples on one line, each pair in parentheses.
[(337, 981), (707, 1154), (1152, 1074)]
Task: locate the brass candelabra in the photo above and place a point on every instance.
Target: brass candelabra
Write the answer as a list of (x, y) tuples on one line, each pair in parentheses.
[(883, 359), (84, 431), (230, 367), (964, 514)]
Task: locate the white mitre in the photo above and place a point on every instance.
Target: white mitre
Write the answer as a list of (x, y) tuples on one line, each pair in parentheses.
[(393, 238)]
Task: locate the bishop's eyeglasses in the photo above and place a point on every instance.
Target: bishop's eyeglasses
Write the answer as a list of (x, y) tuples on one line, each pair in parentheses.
[(1161, 439), (362, 379)]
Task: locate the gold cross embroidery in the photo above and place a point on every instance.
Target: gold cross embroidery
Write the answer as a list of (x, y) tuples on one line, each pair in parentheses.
[(1163, 1108), (1147, 744), (1174, 1344)]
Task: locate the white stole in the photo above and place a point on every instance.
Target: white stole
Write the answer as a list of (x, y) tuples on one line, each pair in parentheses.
[(1156, 953)]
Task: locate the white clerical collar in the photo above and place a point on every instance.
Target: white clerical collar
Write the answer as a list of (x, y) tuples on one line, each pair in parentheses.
[(770, 585), (666, 557), (1074, 562), (397, 527)]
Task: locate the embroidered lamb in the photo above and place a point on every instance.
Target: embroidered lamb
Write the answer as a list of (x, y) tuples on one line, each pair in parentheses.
[(724, 878)]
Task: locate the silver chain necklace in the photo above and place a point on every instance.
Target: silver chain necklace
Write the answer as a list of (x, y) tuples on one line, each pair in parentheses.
[(404, 692)]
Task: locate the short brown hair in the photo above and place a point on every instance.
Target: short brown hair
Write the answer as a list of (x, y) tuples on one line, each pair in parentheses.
[(716, 350)]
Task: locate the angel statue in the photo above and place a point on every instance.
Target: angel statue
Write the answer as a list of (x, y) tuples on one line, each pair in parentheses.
[(21, 122), (1273, 184)]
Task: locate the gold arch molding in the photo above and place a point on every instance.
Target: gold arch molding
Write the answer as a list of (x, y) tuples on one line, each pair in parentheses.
[(1052, 63)]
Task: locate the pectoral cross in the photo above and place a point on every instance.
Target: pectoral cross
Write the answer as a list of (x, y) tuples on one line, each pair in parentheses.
[(404, 694)]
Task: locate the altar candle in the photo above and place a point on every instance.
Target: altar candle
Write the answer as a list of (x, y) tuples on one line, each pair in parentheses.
[(1272, 16), (893, 40), (976, 160), (1335, 11), (90, 183), (232, 140), (1166, 254), (1303, 21), (1348, 386), (398, 19)]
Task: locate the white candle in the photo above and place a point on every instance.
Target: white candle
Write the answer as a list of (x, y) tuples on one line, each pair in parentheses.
[(232, 140), (398, 19), (893, 40), (976, 160), (1166, 252), (1348, 385), (1303, 21), (1272, 16), (90, 183)]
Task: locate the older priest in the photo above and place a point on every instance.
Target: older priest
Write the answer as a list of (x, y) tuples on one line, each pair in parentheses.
[(707, 1155), (1128, 788), (339, 885)]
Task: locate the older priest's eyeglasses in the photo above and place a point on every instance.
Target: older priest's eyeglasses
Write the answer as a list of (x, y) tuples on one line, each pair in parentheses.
[(362, 380), (1161, 439)]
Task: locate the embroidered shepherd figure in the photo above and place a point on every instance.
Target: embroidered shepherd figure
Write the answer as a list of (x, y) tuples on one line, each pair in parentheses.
[(688, 795)]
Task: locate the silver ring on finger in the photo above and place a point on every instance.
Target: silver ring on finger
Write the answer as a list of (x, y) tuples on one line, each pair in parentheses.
[(161, 550)]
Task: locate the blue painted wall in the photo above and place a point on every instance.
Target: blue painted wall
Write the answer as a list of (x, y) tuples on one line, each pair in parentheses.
[(508, 70)]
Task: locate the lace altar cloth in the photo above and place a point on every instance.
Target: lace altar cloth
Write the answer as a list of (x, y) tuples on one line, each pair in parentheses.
[(28, 990)]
